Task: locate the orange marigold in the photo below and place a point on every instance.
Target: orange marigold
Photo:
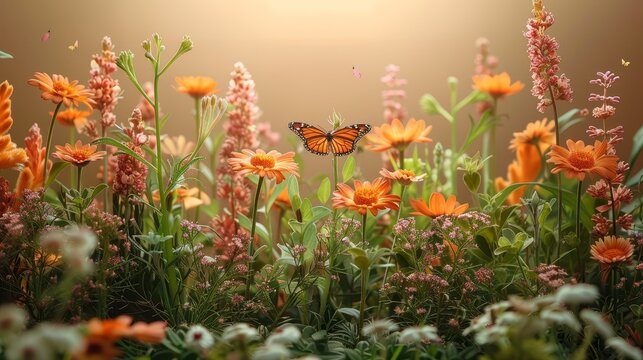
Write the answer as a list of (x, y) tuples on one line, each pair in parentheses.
[(366, 196), (538, 133), (397, 136), (79, 154), (57, 88), (496, 86), (271, 165), (402, 176), (196, 86), (579, 159), (438, 206)]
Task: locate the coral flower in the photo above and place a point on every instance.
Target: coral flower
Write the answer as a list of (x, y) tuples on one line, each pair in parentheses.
[(152, 333), (611, 250), (109, 330), (272, 164), (397, 136), (579, 159), (438, 206), (72, 117), (177, 146), (196, 86), (79, 154), (10, 154), (402, 176), (367, 196), (496, 86), (188, 198), (539, 133), (58, 89)]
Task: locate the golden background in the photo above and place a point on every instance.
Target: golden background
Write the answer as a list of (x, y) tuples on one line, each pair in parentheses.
[(300, 53)]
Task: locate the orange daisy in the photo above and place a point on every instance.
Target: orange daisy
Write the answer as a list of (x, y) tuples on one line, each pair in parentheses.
[(57, 88), (10, 155), (612, 250), (438, 206), (196, 86), (402, 176), (79, 154), (539, 133), (496, 86), (366, 196), (272, 164), (579, 159), (397, 136), (72, 117)]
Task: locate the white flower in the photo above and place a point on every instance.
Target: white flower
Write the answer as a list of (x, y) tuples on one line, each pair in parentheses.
[(416, 335), (623, 348), (286, 335), (559, 316), (491, 335), (81, 241), (240, 332), (75, 243), (198, 338), (12, 320), (61, 338), (577, 294), (596, 320), (271, 352), (379, 328), (29, 346)]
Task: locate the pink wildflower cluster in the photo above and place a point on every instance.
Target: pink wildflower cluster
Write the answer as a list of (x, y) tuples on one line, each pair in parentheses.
[(461, 229), (550, 277), (240, 134), (544, 61), (606, 110), (131, 174), (106, 90), (484, 65), (393, 94)]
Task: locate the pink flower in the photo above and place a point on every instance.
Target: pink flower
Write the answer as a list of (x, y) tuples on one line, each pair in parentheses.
[(106, 90), (393, 95), (131, 174)]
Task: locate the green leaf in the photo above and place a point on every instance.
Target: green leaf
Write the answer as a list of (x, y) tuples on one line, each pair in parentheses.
[(566, 118), (636, 148), (55, 170), (476, 130), (4, 55), (544, 212), (350, 312), (431, 106), (349, 169), (500, 197), (293, 189), (323, 193), (122, 147), (260, 229)]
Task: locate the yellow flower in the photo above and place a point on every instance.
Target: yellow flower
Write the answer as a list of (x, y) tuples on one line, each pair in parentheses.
[(397, 136), (496, 85)]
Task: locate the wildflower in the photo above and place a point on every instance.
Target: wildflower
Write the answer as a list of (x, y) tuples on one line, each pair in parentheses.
[(196, 86), (152, 333), (611, 250), (624, 348), (598, 322), (417, 335), (32, 175), (402, 176), (561, 317), (577, 294), (497, 86), (579, 159), (271, 352), (60, 339), (130, 174), (366, 197), (79, 155), (106, 89), (240, 332), (397, 136), (606, 110), (58, 89), (550, 275), (438, 206), (177, 146), (539, 133), (393, 95), (13, 320), (272, 164), (285, 335), (72, 117), (10, 155), (29, 346), (191, 198), (379, 328)]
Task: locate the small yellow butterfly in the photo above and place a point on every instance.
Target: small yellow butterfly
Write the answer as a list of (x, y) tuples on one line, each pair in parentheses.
[(625, 63), (74, 46)]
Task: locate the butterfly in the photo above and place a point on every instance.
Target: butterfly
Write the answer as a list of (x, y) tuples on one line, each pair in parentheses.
[(625, 63), (45, 36), (357, 73), (74, 46), (340, 142)]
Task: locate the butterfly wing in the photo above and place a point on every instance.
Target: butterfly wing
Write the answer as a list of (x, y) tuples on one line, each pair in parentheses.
[(313, 137), (345, 139)]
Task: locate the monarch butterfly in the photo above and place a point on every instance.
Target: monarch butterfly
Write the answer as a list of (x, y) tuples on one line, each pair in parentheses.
[(340, 142)]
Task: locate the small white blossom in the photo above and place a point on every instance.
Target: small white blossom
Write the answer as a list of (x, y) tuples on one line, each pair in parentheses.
[(286, 335), (240, 332), (577, 294), (416, 335), (562, 317), (596, 320), (198, 338), (29, 346), (271, 352), (61, 338), (13, 320), (623, 348), (379, 328)]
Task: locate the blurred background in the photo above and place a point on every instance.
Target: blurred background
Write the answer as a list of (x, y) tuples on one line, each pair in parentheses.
[(301, 55)]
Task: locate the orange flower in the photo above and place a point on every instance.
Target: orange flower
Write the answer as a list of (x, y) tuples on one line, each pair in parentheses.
[(110, 330), (10, 155), (438, 206), (396, 136), (196, 86), (58, 89), (538, 133), (32, 175), (97, 349), (579, 159), (496, 85), (402, 176), (79, 154), (72, 117), (367, 196), (282, 200), (452, 251), (177, 146), (611, 250), (152, 333), (272, 164)]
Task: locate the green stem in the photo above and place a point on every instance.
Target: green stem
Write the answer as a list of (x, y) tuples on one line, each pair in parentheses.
[(252, 236), (72, 140), (579, 194), (80, 204), (559, 180), (614, 214), (105, 173), (455, 153), (364, 229), (401, 154), (363, 282), (48, 144), (492, 145), (388, 258), (197, 107)]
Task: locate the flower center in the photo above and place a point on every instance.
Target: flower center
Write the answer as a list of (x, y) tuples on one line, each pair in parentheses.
[(613, 253), (263, 160), (407, 173), (365, 196), (581, 159)]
